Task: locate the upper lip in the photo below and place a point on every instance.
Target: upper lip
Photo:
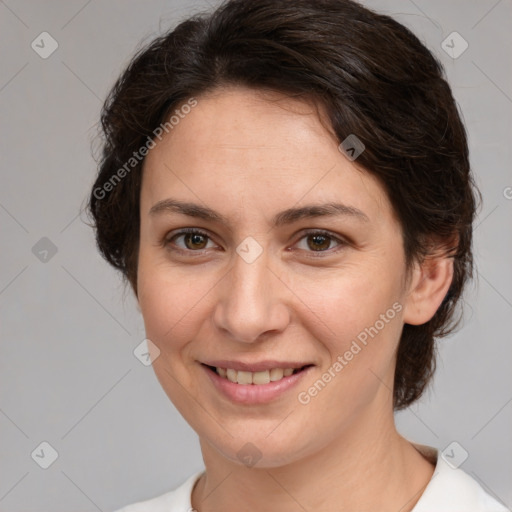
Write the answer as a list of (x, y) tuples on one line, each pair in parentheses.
[(258, 366)]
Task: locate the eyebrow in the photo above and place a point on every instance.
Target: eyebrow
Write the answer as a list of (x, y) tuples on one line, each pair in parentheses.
[(288, 216)]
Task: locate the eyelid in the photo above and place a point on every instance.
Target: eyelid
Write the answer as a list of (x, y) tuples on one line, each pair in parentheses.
[(166, 241), (342, 241)]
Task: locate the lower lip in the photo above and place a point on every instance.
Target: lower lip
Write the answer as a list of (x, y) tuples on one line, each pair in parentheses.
[(254, 393)]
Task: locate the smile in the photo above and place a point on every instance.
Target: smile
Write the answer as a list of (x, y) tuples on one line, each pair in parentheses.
[(257, 378), (254, 387)]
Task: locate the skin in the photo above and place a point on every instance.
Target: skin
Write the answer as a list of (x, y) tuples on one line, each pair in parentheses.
[(248, 155)]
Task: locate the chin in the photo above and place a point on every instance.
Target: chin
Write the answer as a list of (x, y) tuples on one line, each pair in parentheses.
[(259, 451)]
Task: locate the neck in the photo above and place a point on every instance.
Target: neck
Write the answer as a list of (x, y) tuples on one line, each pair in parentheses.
[(367, 468)]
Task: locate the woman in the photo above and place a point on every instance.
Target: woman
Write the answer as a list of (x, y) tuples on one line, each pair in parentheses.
[(286, 187)]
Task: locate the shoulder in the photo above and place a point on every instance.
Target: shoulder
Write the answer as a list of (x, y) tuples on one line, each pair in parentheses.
[(178, 500), (452, 490)]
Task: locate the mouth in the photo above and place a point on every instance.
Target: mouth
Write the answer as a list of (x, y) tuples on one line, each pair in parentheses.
[(257, 378), (267, 383)]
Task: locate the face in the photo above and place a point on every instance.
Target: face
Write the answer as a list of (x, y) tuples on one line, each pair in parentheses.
[(268, 278)]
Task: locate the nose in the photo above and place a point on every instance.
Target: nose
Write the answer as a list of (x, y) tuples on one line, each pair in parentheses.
[(252, 301)]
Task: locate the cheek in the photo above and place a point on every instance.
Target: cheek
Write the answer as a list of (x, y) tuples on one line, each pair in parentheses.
[(350, 302), (357, 318), (169, 303)]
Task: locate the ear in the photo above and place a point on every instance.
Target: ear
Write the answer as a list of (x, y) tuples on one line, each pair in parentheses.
[(427, 288)]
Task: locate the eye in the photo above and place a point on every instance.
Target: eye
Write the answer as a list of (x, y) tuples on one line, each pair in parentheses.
[(319, 241), (194, 240)]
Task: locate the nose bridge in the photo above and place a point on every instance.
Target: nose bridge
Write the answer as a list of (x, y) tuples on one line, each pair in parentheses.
[(250, 302)]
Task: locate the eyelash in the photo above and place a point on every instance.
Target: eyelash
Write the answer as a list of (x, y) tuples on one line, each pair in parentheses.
[(167, 241)]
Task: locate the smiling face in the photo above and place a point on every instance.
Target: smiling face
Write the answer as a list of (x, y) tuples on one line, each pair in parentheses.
[(266, 281)]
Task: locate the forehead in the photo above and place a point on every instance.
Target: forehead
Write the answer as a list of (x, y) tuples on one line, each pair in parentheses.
[(240, 124), (261, 145)]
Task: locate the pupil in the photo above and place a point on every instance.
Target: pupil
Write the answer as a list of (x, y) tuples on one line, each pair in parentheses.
[(195, 239), (320, 237)]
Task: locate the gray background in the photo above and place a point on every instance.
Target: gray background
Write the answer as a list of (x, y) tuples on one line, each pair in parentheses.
[(68, 375)]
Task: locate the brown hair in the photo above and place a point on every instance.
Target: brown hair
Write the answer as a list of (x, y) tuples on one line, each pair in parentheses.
[(373, 78)]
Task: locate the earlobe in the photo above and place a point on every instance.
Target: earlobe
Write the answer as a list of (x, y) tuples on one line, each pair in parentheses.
[(429, 285)]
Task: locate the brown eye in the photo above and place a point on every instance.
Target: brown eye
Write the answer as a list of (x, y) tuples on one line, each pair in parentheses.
[(320, 242), (193, 241)]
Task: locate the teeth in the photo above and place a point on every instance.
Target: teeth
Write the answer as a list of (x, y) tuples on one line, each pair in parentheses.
[(276, 374), (264, 377), (260, 377), (244, 377)]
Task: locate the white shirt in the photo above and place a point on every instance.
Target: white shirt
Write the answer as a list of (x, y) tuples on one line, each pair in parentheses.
[(449, 490)]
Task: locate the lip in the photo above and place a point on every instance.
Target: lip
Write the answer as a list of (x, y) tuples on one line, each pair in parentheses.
[(259, 366), (255, 393)]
